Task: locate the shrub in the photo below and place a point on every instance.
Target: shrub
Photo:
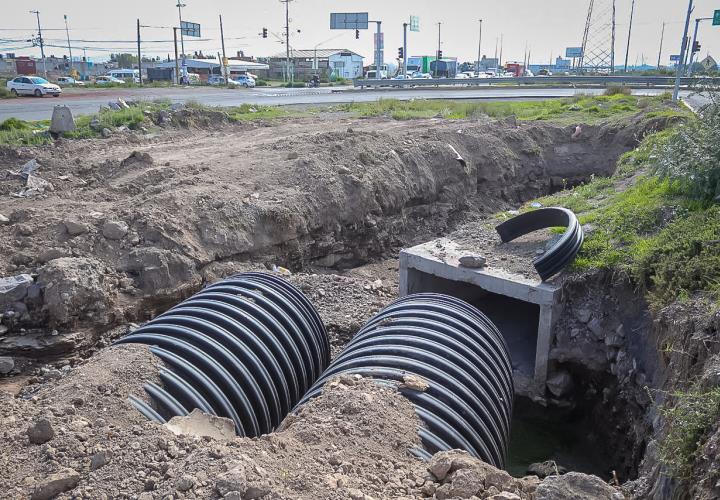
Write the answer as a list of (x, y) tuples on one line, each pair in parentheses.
[(261, 83), (294, 85), (14, 124), (617, 90), (691, 156)]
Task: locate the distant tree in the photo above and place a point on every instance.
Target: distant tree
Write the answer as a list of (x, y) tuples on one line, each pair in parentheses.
[(124, 60)]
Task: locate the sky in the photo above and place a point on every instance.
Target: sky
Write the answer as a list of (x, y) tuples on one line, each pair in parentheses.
[(545, 26)]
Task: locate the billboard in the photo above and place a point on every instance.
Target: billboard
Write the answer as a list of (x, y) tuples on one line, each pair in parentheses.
[(573, 52), (190, 29), (349, 21)]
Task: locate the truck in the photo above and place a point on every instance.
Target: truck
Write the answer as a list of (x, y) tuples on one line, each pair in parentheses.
[(371, 74)]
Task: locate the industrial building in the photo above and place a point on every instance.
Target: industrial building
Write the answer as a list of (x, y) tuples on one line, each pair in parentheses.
[(333, 63)]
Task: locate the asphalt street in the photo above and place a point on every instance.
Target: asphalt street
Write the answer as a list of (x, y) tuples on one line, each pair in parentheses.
[(86, 101)]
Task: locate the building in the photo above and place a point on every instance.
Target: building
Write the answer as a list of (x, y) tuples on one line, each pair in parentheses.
[(207, 67), (333, 63), (709, 64), (488, 63)]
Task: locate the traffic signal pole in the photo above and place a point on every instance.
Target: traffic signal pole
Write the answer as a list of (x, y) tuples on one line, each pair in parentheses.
[(683, 48), (694, 41), (405, 52)]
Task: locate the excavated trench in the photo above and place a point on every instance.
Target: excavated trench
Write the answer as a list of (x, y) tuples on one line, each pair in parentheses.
[(489, 167)]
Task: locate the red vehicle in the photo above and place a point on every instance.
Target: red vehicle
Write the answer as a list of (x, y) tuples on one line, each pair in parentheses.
[(515, 68)]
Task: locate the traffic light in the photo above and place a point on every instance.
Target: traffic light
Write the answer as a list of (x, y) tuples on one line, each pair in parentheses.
[(696, 47), (357, 34), (401, 53), (264, 33), (439, 54)]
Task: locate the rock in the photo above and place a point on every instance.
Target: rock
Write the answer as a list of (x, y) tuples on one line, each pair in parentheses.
[(54, 484), (184, 483), (114, 230), (95, 125), (355, 494), (75, 228), (560, 383), (574, 485), (415, 383), (234, 479), (14, 288), (439, 466), (233, 495), (4, 220), (202, 425), (546, 469), (62, 120), (41, 431), (6, 365), (596, 328), (106, 133), (583, 315), (467, 483), (344, 171), (292, 156), (98, 460), (504, 495), (158, 269), (472, 261)]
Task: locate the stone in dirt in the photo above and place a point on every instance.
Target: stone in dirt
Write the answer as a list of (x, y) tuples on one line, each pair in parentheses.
[(106, 133), (575, 485), (41, 431), (6, 365), (98, 460), (545, 469), (54, 484), (114, 230), (472, 261), (62, 120), (4, 220), (560, 384), (235, 479), (202, 425), (415, 383), (75, 228), (14, 288)]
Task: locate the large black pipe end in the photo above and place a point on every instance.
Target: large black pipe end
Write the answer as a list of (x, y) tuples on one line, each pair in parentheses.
[(465, 395), (246, 348)]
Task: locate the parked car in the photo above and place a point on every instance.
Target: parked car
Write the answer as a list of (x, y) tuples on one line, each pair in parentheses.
[(69, 81), (108, 80), (242, 81), (32, 85), (421, 76), (216, 80), (462, 76), (544, 72)]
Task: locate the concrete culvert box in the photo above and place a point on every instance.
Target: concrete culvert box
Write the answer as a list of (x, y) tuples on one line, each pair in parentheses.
[(246, 348), (451, 362)]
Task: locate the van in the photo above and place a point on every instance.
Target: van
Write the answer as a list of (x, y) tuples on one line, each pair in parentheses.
[(125, 74)]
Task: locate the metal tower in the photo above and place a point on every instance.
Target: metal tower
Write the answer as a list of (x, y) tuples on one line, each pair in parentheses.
[(599, 37)]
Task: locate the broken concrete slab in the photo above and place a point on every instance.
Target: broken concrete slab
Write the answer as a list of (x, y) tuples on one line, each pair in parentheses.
[(202, 424), (14, 288)]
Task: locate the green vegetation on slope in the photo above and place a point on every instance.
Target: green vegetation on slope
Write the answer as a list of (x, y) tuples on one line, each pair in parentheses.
[(577, 109)]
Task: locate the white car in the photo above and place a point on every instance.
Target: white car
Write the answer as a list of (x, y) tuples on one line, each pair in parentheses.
[(69, 81), (422, 76), (108, 80), (242, 81), (33, 85)]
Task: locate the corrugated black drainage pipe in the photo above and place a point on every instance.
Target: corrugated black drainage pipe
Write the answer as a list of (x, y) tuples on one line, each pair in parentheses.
[(246, 348), (462, 356)]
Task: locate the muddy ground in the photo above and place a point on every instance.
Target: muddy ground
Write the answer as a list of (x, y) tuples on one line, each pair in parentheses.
[(135, 223)]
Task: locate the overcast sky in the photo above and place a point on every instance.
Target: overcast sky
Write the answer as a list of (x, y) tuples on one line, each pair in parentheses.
[(547, 26)]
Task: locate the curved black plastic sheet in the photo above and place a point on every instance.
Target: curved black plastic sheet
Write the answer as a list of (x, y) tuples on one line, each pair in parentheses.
[(562, 252), (246, 348), (462, 356)]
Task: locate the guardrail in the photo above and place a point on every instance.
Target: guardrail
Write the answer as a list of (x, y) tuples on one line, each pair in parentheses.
[(648, 81)]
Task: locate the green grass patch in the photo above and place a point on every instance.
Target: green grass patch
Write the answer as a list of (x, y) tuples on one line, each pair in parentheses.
[(578, 109), (689, 415), (247, 112), (23, 133)]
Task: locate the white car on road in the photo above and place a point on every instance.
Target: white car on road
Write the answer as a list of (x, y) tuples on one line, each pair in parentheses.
[(242, 81), (33, 85), (108, 80)]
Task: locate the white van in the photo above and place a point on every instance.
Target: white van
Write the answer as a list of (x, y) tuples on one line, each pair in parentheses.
[(125, 74)]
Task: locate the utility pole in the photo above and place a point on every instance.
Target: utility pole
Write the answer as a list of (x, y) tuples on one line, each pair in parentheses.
[(180, 5), (662, 37), (177, 65), (67, 33), (676, 91), (627, 50), (479, 49), (405, 53), (224, 59), (288, 76), (501, 49), (692, 47), (139, 53), (379, 44), (439, 51), (42, 43)]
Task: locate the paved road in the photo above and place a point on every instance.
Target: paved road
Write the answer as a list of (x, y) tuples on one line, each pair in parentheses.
[(86, 101)]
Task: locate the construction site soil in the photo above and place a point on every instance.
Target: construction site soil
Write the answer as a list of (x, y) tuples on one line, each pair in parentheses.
[(131, 225)]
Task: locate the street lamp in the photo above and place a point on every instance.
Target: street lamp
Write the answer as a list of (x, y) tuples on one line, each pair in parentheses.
[(182, 38)]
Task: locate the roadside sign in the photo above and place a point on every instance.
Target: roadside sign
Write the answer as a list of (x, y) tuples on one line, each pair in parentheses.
[(675, 58), (573, 52), (349, 21), (716, 18), (190, 29), (414, 23)]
